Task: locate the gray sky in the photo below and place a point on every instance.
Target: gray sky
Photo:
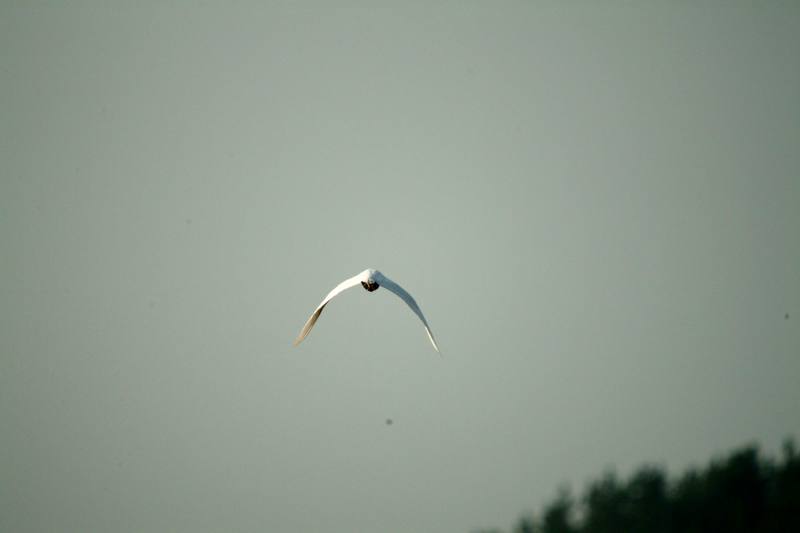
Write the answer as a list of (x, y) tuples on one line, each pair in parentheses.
[(596, 206)]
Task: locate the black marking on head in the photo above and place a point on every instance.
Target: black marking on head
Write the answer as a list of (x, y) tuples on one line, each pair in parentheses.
[(369, 285)]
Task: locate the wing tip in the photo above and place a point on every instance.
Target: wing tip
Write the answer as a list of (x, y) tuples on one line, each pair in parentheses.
[(433, 342)]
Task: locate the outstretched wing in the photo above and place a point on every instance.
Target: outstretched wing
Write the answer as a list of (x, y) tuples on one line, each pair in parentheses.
[(346, 284), (386, 283)]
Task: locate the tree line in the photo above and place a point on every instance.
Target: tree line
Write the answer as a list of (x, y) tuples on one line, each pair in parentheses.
[(741, 492)]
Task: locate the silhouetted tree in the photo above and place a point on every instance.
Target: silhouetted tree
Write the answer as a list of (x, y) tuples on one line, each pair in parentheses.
[(739, 493), (607, 506), (735, 493), (647, 501), (783, 493), (557, 516), (687, 505)]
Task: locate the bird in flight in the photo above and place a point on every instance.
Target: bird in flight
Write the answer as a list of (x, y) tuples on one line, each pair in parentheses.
[(370, 279)]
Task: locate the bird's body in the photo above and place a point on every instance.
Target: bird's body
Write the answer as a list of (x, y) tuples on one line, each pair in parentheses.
[(371, 280)]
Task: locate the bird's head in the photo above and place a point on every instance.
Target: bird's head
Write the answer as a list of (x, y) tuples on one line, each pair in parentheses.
[(370, 285), (370, 279)]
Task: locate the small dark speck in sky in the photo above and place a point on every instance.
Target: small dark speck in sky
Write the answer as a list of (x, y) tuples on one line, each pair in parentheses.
[(786, 316), (389, 422)]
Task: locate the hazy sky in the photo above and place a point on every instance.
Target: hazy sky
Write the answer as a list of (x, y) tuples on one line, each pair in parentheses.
[(597, 207)]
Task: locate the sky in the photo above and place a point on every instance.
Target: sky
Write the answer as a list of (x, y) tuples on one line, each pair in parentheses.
[(595, 204)]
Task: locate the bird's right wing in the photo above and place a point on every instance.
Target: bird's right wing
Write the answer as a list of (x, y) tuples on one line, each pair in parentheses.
[(391, 286), (346, 284)]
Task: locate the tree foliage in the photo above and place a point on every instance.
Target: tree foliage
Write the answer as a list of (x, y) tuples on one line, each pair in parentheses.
[(742, 492)]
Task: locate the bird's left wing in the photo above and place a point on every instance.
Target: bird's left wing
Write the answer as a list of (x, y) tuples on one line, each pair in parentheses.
[(346, 284), (386, 283)]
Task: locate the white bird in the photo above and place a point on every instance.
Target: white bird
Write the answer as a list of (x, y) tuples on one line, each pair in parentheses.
[(370, 279)]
